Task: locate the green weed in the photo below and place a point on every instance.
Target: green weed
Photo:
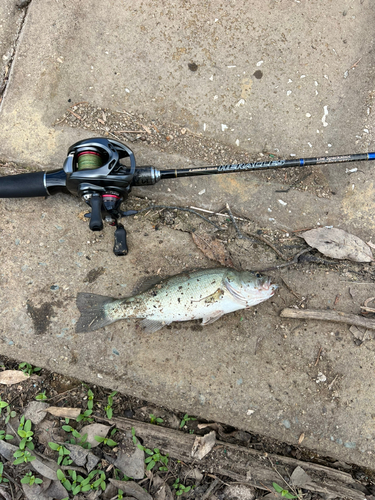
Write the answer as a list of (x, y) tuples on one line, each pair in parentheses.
[(155, 420), (63, 452), (28, 369), (108, 408), (284, 493), (30, 479), (41, 396), (186, 419), (180, 488), (2, 479)]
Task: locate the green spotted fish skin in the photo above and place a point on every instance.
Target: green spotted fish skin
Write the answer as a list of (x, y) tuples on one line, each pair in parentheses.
[(206, 294)]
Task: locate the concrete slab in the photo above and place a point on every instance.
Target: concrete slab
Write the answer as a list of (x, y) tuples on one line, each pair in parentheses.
[(269, 74)]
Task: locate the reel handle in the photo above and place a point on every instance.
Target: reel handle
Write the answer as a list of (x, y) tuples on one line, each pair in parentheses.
[(120, 247), (96, 223)]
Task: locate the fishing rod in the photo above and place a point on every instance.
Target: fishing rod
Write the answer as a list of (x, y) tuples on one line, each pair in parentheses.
[(92, 171)]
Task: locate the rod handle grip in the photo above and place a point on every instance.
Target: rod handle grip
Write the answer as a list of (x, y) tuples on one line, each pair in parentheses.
[(23, 185)]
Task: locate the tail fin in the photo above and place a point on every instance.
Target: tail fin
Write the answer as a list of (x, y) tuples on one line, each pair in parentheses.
[(93, 313)]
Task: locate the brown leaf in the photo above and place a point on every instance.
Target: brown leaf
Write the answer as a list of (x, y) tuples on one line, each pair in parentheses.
[(338, 244), (63, 412), (212, 248), (10, 377)]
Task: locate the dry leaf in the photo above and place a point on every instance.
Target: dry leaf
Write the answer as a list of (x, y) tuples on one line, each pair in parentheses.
[(161, 489), (7, 450), (54, 490), (203, 445), (34, 492), (36, 411), (46, 468), (63, 412), (10, 377), (212, 248), (338, 244), (93, 430), (130, 488), (300, 479)]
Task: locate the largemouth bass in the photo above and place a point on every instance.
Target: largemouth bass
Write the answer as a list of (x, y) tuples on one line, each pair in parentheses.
[(206, 294)]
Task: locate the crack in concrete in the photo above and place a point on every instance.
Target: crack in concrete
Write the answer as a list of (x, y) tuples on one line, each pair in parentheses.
[(22, 5)]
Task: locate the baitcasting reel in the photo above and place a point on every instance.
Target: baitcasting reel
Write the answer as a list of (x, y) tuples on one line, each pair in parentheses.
[(92, 170)]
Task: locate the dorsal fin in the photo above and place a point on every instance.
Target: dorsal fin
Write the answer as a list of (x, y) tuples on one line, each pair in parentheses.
[(144, 284)]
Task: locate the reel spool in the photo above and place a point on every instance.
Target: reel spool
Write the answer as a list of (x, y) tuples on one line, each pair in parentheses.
[(89, 160)]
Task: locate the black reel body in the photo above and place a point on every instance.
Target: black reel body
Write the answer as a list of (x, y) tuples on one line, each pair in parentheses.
[(94, 172)]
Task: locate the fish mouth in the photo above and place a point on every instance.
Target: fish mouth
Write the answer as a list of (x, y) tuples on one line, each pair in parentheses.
[(266, 285)]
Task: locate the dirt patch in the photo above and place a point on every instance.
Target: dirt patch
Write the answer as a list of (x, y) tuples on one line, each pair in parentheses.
[(94, 274), (41, 316)]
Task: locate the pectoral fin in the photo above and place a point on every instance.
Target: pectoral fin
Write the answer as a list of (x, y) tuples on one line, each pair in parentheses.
[(152, 326), (212, 318)]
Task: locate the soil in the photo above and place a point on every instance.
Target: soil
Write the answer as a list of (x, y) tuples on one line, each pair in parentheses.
[(71, 393)]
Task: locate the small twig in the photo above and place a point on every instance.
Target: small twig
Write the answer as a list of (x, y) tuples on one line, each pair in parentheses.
[(322, 315), (216, 213), (264, 486), (125, 113), (367, 309), (10, 479), (130, 131), (220, 480), (115, 136), (61, 393), (300, 230), (77, 103), (75, 114), (281, 477), (210, 489), (318, 356), (262, 238), (290, 263), (239, 234), (291, 291), (183, 209), (331, 384), (367, 301), (355, 64)]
